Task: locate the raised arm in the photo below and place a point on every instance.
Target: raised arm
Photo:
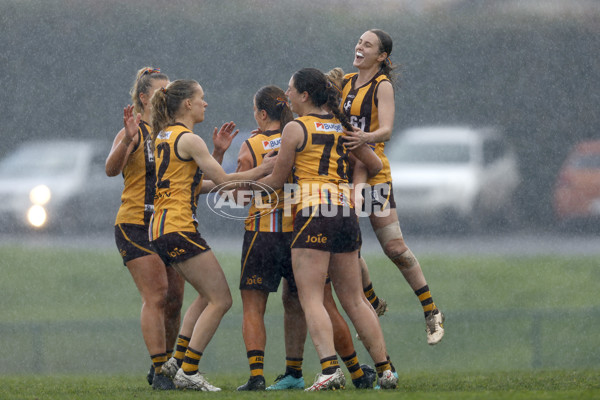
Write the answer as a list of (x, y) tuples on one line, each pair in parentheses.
[(123, 143)]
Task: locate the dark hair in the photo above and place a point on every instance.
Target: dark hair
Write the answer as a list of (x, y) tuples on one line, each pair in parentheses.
[(385, 46), (166, 103), (273, 100), (321, 92), (142, 84)]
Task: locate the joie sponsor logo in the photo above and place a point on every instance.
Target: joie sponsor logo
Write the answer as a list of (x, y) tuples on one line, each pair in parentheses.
[(176, 252), (254, 280), (317, 239)]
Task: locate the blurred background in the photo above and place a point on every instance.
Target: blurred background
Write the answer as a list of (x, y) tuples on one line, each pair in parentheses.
[(528, 68), (523, 74)]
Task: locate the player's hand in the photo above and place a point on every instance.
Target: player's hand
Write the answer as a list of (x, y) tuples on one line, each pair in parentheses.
[(223, 137), (355, 138), (131, 122), (269, 162)]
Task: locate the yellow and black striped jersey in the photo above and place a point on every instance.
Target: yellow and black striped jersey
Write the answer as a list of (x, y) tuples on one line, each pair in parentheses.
[(321, 164), (360, 106), (139, 178), (178, 183), (266, 213)]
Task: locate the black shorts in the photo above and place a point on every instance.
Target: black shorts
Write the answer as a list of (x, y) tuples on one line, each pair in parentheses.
[(132, 241), (338, 233), (378, 197), (177, 247), (266, 258)]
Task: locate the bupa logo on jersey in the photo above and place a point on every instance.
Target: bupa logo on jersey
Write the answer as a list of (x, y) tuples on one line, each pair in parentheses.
[(272, 144), (328, 127)]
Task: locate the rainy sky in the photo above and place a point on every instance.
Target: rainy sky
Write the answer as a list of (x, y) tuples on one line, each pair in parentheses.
[(528, 67)]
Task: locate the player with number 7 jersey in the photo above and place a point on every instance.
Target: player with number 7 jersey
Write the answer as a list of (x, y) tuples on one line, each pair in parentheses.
[(321, 167)]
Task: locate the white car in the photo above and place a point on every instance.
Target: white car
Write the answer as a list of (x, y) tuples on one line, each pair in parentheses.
[(58, 184), (453, 177)]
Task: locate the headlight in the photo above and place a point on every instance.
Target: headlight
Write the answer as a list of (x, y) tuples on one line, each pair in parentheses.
[(36, 215), (40, 195)]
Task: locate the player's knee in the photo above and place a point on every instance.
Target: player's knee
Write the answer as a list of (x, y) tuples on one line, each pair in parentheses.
[(405, 260), (156, 299), (174, 302), (395, 249), (291, 303), (223, 303)]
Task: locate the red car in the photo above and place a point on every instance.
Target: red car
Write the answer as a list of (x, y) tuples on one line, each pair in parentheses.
[(577, 191)]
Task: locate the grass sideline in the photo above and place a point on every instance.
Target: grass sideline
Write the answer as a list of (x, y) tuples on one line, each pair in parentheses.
[(71, 287), (506, 385)]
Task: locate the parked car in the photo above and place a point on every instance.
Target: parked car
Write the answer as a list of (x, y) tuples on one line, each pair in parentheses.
[(59, 185), (454, 178), (577, 189)]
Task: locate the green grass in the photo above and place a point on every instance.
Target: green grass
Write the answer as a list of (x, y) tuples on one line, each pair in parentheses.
[(513, 385), (69, 322)]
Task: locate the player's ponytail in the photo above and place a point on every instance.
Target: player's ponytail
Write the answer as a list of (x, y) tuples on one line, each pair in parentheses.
[(142, 84), (273, 101), (167, 101), (385, 46)]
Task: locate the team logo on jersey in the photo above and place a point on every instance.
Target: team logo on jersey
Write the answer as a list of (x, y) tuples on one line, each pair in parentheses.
[(165, 135), (271, 144), (347, 105), (328, 127)]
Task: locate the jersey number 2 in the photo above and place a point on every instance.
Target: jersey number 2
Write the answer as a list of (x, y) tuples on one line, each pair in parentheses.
[(163, 150)]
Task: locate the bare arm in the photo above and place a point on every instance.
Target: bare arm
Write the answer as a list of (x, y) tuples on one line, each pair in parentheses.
[(193, 146), (386, 109), (369, 159), (291, 138), (245, 162), (123, 143)]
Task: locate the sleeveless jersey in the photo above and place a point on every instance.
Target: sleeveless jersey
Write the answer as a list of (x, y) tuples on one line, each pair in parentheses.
[(139, 178), (360, 106), (321, 164), (178, 183), (266, 213)]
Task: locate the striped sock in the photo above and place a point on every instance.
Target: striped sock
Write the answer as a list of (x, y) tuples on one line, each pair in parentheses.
[(182, 344), (353, 366), (391, 364), (256, 359), (191, 361), (293, 367), (158, 360), (426, 300), (382, 366), (329, 365), (371, 296)]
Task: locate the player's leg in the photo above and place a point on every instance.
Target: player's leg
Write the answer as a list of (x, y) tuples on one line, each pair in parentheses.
[(362, 376), (388, 232)]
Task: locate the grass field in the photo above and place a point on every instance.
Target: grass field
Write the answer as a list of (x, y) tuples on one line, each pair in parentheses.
[(514, 385), (517, 327)]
